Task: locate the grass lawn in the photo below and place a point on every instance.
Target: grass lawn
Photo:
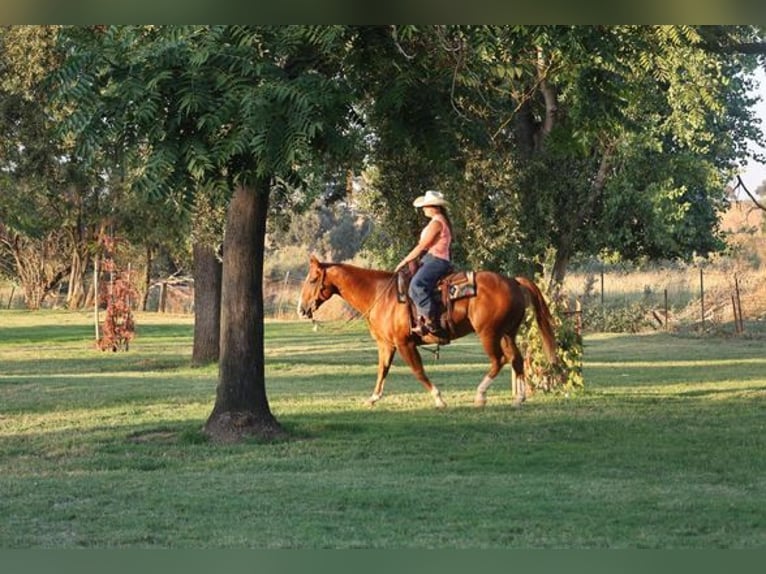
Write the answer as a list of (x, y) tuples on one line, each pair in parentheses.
[(664, 449)]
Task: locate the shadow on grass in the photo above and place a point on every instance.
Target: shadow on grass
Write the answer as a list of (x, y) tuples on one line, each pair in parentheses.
[(589, 437)]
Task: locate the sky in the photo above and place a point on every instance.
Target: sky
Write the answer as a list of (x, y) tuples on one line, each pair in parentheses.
[(755, 173)]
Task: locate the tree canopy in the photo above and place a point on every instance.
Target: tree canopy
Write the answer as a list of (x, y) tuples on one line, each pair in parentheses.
[(556, 141)]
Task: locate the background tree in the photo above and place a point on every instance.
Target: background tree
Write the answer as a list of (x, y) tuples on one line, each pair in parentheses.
[(548, 127), (50, 206), (222, 107)]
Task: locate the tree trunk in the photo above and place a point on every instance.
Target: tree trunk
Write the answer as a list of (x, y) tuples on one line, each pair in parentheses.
[(576, 218), (76, 288), (241, 408), (559, 271), (207, 304)]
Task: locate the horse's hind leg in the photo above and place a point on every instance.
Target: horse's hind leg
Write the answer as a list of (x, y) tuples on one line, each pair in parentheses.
[(497, 358), (386, 353), (518, 380), (411, 355)]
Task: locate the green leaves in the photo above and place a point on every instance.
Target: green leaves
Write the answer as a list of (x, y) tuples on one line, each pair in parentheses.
[(238, 101)]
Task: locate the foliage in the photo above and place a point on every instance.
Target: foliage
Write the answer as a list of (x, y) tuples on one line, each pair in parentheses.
[(334, 233), (549, 132), (53, 194), (118, 296), (119, 327), (46, 200), (35, 262), (632, 317), (206, 105), (566, 375)]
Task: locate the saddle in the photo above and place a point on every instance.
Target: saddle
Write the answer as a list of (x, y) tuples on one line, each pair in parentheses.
[(450, 288)]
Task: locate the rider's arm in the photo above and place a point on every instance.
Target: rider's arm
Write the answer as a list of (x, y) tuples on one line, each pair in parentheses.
[(429, 236)]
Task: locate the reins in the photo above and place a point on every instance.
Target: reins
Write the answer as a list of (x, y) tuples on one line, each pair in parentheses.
[(366, 314), (358, 315)]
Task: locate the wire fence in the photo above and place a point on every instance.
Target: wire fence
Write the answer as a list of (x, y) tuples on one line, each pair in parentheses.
[(673, 299), (678, 299)]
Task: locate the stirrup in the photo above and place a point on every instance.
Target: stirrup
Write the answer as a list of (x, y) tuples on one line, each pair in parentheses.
[(422, 327), (433, 328), (437, 331)]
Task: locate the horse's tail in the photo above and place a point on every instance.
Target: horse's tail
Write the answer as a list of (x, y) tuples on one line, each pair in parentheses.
[(543, 316)]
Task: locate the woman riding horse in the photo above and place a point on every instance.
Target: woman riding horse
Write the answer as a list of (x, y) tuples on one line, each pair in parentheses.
[(433, 251), (494, 314)]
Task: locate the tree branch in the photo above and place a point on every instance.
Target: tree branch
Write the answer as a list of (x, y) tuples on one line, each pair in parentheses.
[(741, 184), (756, 48)]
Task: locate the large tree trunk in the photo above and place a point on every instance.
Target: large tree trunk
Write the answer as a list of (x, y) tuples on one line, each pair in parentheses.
[(207, 304), (76, 289), (241, 408)]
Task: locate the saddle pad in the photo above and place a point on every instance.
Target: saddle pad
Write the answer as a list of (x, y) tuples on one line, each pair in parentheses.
[(461, 284), (458, 285)]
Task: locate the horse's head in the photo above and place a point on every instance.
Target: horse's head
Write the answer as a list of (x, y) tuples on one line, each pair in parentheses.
[(316, 289)]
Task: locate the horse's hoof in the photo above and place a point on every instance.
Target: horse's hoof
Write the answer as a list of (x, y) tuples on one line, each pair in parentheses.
[(517, 403), (480, 402)]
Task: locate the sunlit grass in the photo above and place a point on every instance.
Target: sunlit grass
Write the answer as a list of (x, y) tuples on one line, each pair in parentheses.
[(664, 449)]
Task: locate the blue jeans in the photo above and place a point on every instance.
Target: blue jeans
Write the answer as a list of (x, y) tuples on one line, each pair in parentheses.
[(424, 282)]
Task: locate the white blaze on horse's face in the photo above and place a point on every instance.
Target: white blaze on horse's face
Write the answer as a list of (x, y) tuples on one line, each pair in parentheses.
[(305, 310), (311, 290), (302, 313)]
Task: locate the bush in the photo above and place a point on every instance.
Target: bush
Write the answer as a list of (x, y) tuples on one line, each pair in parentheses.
[(566, 375), (629, 318)]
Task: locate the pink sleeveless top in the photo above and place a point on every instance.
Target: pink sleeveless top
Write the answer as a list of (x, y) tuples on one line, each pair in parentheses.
[(440, 249)]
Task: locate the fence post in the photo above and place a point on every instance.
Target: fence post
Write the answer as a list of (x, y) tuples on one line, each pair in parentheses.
[(666, 309), (578, 316), (602, 285), (738, 308), (163, 296), (702, 297), (603, 309), (10, 299), (285, 295), (95, 295)]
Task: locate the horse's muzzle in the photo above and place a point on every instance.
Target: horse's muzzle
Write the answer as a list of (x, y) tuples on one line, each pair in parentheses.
[(305, 312)]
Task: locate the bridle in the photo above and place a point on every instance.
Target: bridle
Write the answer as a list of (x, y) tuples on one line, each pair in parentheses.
[(321, 292)]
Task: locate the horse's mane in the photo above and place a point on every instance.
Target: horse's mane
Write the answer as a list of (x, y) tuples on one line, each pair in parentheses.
[(355, 269)]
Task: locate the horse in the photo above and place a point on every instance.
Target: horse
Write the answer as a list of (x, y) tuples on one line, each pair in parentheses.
[(495, 314)]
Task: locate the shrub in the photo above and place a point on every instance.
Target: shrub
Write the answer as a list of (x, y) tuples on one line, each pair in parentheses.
[(566, 375)]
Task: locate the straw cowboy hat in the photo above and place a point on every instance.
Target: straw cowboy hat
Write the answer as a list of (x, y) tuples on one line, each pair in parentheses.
[(430, 198)]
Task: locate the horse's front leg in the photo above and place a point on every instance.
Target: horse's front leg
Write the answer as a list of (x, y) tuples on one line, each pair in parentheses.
[(497, 358), (386, 353), (412, 357)]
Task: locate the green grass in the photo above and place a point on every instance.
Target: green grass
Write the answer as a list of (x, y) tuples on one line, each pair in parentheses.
[(664, 449)]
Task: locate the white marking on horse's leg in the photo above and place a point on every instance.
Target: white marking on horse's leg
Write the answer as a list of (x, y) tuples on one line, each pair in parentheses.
[(374, 398), (436, 394), (519, 389), (481, 391)]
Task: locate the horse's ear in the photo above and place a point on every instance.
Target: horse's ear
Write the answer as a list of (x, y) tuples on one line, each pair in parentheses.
[(313, 261)]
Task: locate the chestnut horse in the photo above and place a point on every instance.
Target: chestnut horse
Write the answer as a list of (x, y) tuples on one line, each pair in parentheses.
[(494, 314)]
